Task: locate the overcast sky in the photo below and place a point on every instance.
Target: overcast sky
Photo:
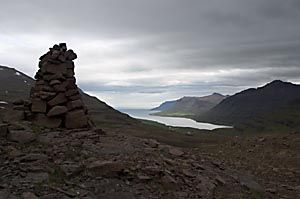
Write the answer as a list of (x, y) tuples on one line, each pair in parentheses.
[(138, 53)]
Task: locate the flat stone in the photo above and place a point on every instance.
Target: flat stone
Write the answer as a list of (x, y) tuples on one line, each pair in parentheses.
[(38, 106), (70, 73), (250, 184), (69, 64), (54, 77), (34, 157), (18, 102), (75, 97), (106, 168), (74, 104), (3, 130), (21, 136), (70, 55), (71, 83), (58, 99), (54, 69), (176, 152), (71, 92), (54, 82), (44, 121), (57, 110), (76, 119), (37, 177), (29, 195)]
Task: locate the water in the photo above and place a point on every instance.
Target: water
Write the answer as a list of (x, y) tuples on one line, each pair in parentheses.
[(170, 121)]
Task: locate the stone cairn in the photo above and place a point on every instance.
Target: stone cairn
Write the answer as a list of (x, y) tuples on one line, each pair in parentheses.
[(56, 100)]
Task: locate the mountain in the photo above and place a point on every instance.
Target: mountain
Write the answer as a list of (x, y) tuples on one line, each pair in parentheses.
[(17, 85), (164, 106), (271, 103), (189, 106)]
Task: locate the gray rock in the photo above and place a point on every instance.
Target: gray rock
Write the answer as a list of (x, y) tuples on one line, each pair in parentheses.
[(106, 168), (37, 177), (57, 110), (58, 99), (38, 106), (75, 104), (29, 195), (3, 130), (76, 119), (43, 121), (250, 184), (21, 136), (175, 152)]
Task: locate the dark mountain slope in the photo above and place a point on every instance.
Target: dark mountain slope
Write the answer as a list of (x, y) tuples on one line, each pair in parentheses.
[(189, 106), (14, 84), (257, 105)]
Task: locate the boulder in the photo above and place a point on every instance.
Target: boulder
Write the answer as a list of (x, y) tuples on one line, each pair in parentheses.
[(76, 119), (75, 104), (176, 152), (58, 99), (57, 110), (48, 122), (38, 106), (21, 136), (3, 130), (106, 168)]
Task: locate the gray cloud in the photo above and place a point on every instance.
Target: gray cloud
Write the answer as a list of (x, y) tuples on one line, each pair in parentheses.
[(156, 50)]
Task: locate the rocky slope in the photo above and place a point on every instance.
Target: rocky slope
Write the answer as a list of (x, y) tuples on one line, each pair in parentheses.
[(37, 163)]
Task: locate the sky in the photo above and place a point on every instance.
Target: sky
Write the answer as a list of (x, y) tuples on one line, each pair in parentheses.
[(139, 53)]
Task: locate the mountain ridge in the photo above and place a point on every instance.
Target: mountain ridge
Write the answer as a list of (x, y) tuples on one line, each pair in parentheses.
[(254, 104), (189, 106)]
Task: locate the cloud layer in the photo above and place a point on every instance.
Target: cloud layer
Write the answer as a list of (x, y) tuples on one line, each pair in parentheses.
[(138, 53)]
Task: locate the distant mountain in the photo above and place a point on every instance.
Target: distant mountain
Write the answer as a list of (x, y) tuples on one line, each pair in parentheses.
[(271, 103), (190, 106), (164, 106), (17, 85)]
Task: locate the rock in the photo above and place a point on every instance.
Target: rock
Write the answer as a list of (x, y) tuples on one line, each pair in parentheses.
[(152, 143), (58, 99), (76, 119), (176, 152), (4, 194), (43, 121), (18, 102), (250, 184), (38, 106), (71, 92), (29, 195), (188, 173), (37, 177), (70, 55), (144, 177), (54, 82), (3, 130), (75, 104), (21, 136), (57, 110), (34, 157), (220, 180), (55, 69), (106, 168)]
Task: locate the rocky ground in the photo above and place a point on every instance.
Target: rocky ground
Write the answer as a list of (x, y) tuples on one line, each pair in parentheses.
[(37, 163)]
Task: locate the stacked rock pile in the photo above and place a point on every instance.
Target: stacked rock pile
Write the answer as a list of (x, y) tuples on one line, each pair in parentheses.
[(56, 100)]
